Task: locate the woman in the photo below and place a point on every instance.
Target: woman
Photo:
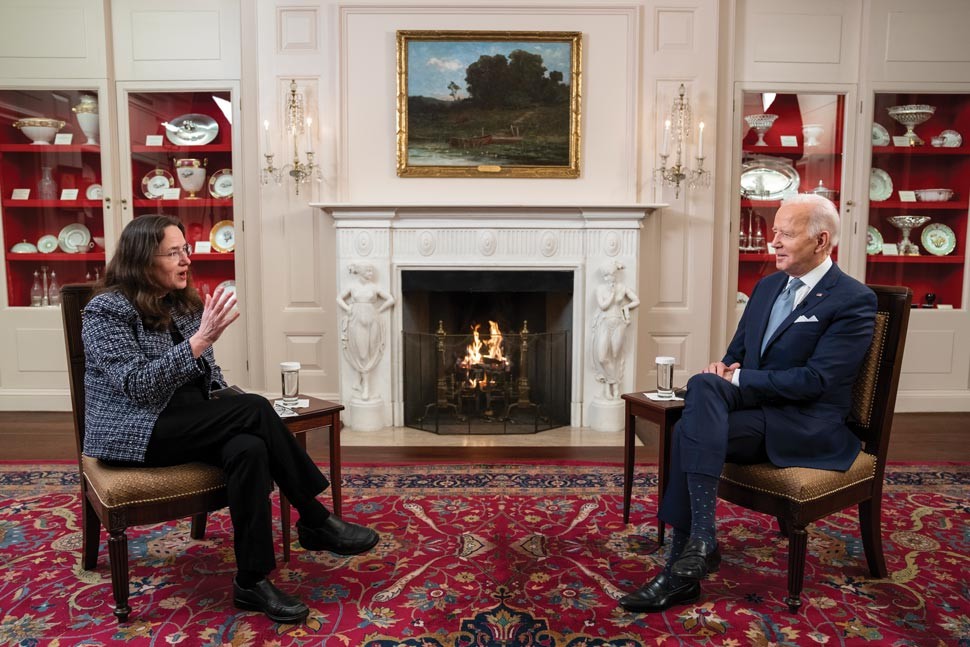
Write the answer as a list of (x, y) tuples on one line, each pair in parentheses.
[(362, 331), (615, 302), (150, 372)]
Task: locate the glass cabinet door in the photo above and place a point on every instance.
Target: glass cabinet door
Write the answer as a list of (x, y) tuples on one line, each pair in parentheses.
[(181, 165), (918, 195), (50, 192), (792, 143)]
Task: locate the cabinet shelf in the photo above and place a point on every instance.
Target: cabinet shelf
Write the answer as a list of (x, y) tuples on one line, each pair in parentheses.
[(50, 148), (922, 259), (769, 204), (213, 256), (755, 257), (789, 151), (171, 148), (57, 256), (56, 204), (916, 151), (921, 206), (184, 202)]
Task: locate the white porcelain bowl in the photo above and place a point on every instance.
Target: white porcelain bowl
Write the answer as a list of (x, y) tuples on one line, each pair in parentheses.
[(39, 130), (934, 195)]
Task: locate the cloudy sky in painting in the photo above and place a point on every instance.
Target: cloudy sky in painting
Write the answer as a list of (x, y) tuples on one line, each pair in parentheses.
[(432, 65)]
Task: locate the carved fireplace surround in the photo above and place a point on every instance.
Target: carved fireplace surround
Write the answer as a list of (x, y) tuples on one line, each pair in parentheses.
[(397, 238)]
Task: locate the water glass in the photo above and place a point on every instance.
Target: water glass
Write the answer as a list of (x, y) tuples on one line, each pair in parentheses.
[(665, 377), (290, 376)]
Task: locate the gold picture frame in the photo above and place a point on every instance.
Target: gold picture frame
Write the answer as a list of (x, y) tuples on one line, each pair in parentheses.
[(489, 103)]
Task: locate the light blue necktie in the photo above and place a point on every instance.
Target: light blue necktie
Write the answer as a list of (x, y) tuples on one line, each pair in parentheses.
[(783, 307)]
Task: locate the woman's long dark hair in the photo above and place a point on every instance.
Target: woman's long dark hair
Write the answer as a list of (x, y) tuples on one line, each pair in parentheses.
[(130, 272)]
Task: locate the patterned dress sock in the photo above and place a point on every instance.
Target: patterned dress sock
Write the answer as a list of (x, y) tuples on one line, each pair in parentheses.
[(703, 502), (313, 514), (677, 544)]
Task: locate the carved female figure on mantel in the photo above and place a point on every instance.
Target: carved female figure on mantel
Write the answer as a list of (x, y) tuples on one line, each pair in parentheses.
[(615, 301), (362, 329)]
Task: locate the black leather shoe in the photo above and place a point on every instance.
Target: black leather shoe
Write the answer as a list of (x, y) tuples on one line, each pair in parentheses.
[(660, 594), (337, 536), (268, 599), (698, 559)]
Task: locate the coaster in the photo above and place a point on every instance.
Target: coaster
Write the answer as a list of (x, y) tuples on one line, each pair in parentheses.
[(656, 398)]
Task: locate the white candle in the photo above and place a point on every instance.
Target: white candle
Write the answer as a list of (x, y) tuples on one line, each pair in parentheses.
[(266, 136), (663, 151), (700, 139), (309, 134)]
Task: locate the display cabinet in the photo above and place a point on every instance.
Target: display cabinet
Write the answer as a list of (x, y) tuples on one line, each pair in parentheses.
[(919, 186), (180, 163), (51, 178), (792, 142)]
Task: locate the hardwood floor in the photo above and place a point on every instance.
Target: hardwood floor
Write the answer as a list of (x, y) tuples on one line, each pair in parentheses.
[(916, 437)]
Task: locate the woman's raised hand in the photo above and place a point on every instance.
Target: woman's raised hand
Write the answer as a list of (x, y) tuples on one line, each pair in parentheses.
[(218, 312)]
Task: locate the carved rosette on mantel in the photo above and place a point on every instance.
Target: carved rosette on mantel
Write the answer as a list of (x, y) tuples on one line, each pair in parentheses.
[(401, 238)]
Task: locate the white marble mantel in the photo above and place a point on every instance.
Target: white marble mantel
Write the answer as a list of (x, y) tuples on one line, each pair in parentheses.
[(400, 237)]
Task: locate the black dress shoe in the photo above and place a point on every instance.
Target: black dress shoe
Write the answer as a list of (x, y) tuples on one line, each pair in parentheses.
[(337, 536), (660, 594), (698, 559), (268, 599)]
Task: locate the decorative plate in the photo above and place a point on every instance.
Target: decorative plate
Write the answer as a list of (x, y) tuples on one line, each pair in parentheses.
[(873, 241), (193, 129), (74, 238), (768, 178), (220, 184), (228, 286), (880, 185), (880, 136), (742, 298), (155, 182), (223, 236), (951, 139), (47, 244), (938, 239), (94, 192)]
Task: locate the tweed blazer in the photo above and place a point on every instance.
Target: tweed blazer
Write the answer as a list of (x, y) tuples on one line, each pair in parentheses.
[(131, 374)]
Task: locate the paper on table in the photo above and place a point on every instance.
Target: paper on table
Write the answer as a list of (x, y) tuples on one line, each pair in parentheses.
[(300, 404), (654, 396)]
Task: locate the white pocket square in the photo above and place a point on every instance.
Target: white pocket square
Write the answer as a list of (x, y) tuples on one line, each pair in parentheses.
[(804, 319)]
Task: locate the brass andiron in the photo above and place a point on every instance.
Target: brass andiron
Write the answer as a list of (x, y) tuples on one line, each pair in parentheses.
[(522, 384), (443, 391)]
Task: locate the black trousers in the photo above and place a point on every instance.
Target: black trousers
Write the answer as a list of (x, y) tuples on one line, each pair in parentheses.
[(246, 438)]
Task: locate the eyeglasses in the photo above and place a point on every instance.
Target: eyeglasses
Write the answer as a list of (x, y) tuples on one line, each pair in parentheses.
[(178, 252)]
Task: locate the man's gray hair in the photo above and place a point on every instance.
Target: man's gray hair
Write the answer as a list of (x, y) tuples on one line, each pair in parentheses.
[(823, 215)]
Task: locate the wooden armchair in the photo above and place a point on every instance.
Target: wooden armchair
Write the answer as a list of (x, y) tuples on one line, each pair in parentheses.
[(797, 496), (121, 497)]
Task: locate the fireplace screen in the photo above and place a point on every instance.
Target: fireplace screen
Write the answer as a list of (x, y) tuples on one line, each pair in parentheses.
[(486, 381)]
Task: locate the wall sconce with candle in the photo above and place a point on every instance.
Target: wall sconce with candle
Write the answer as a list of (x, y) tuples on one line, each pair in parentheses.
[(677, 127), (297, 125)]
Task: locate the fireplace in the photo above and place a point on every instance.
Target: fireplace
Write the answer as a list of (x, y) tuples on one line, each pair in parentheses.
[(486, 351), (422, 258)]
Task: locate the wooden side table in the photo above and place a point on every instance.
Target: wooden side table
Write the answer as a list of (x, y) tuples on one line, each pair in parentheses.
[(320, 413), (664, 414)]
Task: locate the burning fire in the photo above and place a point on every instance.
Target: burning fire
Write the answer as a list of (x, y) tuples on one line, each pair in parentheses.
[(493, 358)]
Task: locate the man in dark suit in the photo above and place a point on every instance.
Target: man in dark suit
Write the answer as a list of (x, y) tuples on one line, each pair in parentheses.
[(781, 393)]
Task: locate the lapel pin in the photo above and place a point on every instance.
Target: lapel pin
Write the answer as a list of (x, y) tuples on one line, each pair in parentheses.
[(818, 294)]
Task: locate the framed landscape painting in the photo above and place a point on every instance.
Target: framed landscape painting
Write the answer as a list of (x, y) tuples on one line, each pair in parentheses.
[(488, 104)]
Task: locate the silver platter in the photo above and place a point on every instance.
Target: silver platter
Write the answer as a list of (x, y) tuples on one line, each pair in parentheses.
[(193, 129), (767, 178)]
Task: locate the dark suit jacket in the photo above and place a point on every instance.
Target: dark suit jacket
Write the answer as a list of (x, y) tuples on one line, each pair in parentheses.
[(803, 382)]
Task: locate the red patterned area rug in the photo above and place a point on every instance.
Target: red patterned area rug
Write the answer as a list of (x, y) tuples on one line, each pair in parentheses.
[(494, 555)]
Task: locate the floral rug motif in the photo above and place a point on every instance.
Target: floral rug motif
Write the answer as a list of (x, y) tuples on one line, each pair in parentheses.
[(491, 556)]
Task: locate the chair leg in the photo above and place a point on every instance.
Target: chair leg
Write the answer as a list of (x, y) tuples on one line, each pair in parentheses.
[(870, 525), (90, 535), (784, 528), (797, 546), (118, 557), (198, 526)]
